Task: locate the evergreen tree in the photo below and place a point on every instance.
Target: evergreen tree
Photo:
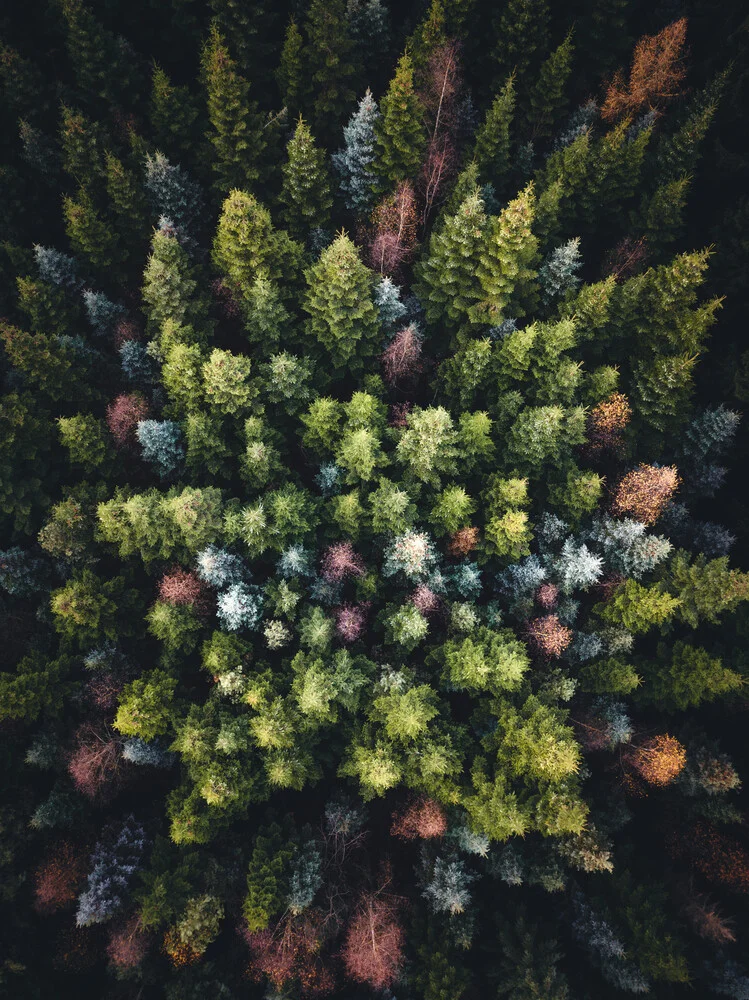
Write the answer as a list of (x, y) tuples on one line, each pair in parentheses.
[(547, 98), (329, 54), (170, 287), (354, 164), (522, 33), (305, 193), (89, 234), (401, 135), (292, 76), (173, 115), (491, 150), (343, 318), (236, 129)]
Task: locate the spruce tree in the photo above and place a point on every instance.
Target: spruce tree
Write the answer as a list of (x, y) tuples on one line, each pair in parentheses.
[(547, 98), (236, 129), (329, 64), (522, 33), (354, 164), (90, 235), (173, 115), (305, 193), (401, 134), (339, 302), (292, 76), (491, 150)]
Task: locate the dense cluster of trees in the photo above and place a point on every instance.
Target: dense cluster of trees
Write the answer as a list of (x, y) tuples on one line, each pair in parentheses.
[(370, 590)]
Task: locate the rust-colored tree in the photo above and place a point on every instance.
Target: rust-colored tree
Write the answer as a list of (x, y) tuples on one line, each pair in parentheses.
[(58, 880), (462, 542), (657, 760), (606, 424), (716, 855), (373, 950), (128, 944), (95, 762), (707, 920), (548, 636), (123, 416), (655, 77), (351, 620), (401, 359), (393, 236), (644, 492), (547, 596), (290, 952), (422, 819), (181, 586)]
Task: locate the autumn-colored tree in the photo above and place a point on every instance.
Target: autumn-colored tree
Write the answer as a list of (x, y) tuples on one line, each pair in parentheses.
[(128, 944), (340, 561), (58, 880), (291, 951), (707, 920), (627, 258), (402, 357), (392, 240), (182, 586), (351, 620), (658, 760), (718, 856), (644, 492), (548, 636), (462, 542), (124, 414), (422, 819), (95, 762), (606, 424), (373, 950), (655, 77)]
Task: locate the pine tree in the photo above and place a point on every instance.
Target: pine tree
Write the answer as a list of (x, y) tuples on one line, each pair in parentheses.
[(292, 76), (90, 235), (329, 60), (401, 135), (547, 98), (354, 164), (250, 29), (522, 34), (247, 247), (173, 116), (126, 205), (236, 129), (305, 192), (491, 150), (105, 64), (83, 148), (343, 318), (447, 284), (505, 267), (170, 287)]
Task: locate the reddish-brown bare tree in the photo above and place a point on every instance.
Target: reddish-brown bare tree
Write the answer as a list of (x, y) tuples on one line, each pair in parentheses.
[(547, 596), (402, 357), (291, 951), (707, 920), (393, 238), (95, 762), (340, 560), (548, 636), (59, 879), (644, 492), (398, 414), (123, 416), (422, 819), (126, 330), (373, 949), (181, 586), (128, 944), (351, 620), (656, 75), (627, 258)]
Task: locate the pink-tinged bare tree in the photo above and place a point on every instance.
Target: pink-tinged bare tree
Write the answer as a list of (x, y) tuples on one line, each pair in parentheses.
[(95, 762), (393, 237), (373, 949), (402, 357), (123, 416), (422, 819), (351, 620), (58, 880), (128, 944), (340, 560)]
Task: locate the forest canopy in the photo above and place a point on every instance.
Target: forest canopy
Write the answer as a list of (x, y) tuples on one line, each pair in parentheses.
[(374, 553)]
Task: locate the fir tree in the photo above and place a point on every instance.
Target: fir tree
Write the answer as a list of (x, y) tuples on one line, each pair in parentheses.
[(354, 164), (331, 72), (343, 318), (292, 75), (305, 193), (491, 150), (236, 131), (547, 97), (401, 135)]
